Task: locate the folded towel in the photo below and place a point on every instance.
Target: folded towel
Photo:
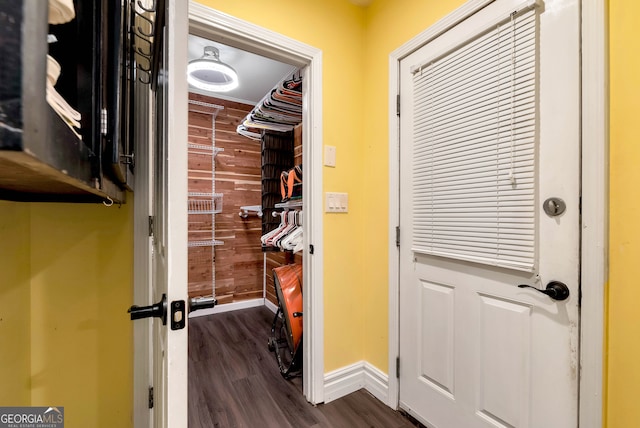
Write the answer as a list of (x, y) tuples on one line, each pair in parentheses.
[(70, 116), (61, 11)]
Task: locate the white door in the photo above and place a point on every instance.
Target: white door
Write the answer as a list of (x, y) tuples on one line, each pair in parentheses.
[(489, 131), (166, 179)]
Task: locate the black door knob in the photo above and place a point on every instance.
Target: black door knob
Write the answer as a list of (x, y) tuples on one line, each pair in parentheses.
[(158, 310), (555, 289)]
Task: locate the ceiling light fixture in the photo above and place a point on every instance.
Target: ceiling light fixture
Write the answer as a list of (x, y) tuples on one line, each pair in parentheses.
[(210, 74)]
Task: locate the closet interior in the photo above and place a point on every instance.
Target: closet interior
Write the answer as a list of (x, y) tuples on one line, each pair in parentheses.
[(244, 186)]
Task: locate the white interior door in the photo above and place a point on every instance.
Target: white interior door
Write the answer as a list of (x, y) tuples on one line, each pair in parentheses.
[(164, 167), (170, 231), (142, 293), (489, 130)]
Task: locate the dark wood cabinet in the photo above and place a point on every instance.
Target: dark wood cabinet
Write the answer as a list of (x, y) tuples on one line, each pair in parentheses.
[(41, 158)]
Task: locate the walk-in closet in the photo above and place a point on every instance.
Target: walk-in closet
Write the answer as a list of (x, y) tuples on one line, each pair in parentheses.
[(244, 220)]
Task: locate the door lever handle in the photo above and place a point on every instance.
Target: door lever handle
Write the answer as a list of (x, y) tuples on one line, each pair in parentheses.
[(555, 289), (158, 310)]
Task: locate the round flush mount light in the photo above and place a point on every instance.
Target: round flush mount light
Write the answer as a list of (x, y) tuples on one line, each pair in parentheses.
[(210, 74)]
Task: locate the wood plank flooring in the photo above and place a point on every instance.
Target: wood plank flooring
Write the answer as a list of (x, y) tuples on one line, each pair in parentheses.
[(234, 382)]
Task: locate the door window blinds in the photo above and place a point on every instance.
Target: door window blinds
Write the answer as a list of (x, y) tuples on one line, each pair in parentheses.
[(474, 136)]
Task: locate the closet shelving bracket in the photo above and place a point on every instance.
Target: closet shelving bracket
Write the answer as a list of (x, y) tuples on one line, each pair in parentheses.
[(287, 206), (208, 243), (198, 148), (250, 209), (204, 203)]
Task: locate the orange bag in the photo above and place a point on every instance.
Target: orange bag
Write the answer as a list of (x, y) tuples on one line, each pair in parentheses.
[(288, 284), (291, 183)]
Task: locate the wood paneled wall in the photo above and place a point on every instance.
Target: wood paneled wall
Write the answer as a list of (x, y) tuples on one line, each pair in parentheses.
[(239, 261)]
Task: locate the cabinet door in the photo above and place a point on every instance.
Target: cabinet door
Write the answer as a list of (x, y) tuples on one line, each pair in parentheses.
[(118, 78)]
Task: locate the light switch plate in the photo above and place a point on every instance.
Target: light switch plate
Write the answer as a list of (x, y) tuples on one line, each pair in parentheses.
[(336, 202), (329, 156)]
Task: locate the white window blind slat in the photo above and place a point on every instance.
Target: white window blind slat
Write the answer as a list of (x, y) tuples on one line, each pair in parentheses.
[(469, 98), (462, 59), (474, 136), (473, 206), (483, 169), (485, 236), (452, 162), (481, 60), (498, 130), (458, 145), (472, 100), (452, 123), (488, 71), (463, 48), (473, 181)]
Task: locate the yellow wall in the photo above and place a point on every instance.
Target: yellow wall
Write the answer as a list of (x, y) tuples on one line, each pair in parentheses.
[(335, 27), (15, 307), (355, 44), (623, 347), (65, 286), (389, 24), (65, 270)]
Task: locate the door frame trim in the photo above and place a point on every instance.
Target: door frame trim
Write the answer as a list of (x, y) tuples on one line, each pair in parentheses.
[(594, 183), (595, 202), (142, 249), (459, 14), (207, 22)]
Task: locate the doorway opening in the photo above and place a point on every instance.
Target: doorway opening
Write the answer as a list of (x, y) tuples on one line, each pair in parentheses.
[(227, 31)]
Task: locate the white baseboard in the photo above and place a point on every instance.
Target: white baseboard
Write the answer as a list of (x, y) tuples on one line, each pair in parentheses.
[(271, 306), (343, 381), (346, 380), (235, 306), (376, 382)]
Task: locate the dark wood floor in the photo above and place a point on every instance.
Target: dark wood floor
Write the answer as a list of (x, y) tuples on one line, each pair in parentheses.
[(234, 382)]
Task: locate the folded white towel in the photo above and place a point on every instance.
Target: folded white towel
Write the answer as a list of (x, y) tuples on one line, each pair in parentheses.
[(61, 11), (70, 116), (53, 70)]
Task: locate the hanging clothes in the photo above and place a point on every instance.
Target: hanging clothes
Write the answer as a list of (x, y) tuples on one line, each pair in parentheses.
[(280, 110), (288, 235)]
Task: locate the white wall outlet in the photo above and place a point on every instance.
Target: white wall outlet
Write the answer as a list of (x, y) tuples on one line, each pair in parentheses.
[(329, 156), (336, 202)]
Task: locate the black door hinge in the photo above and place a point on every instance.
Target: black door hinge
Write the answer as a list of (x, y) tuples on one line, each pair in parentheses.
[(151, 397), (150, 225), (398, 105), (310, 249), (398, 367), (397, 236)]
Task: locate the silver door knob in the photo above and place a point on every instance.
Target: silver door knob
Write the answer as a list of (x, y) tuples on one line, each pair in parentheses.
[(554, 206)]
